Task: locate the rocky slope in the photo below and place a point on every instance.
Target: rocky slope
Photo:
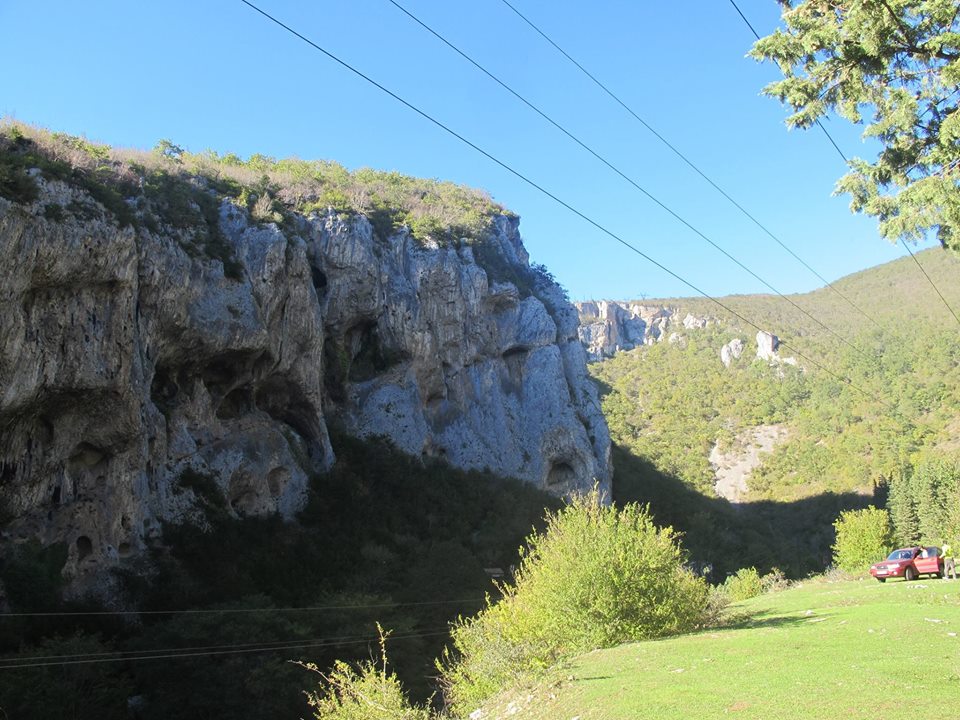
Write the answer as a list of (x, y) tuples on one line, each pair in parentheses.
[(140, 374)]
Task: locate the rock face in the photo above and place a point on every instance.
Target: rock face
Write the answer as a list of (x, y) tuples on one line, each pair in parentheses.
[(767, 344), (135, 377), (733, 467), (731, 351), (608, 327)]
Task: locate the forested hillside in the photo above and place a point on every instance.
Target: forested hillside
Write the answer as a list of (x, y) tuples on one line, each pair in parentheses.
[(857, 414)]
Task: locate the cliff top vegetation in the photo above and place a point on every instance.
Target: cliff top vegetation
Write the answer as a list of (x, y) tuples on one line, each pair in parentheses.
[(270, 189)]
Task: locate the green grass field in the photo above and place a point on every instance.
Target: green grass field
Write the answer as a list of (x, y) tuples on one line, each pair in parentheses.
[(848, 649)]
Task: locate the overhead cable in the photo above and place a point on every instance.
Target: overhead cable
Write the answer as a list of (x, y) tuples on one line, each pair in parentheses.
[(231, 611), (636, 116), (845, 160), (624, 176), (239, 649), (552, 196)]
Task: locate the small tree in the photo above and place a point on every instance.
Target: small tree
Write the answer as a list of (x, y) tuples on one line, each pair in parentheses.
[(370, 692), (863, 537), (597, 576), (746, 584)]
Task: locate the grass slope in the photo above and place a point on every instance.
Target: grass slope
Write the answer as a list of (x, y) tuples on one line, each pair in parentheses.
[(850, 649)]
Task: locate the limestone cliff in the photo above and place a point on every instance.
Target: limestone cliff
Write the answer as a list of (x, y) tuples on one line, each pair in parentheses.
[(139, 371), (607, 327)]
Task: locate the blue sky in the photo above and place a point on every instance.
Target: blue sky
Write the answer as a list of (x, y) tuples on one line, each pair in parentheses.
[(214, 74)]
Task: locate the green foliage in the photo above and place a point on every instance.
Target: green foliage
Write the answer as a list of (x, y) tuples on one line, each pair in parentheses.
[(863, 537), (381, 528), (369, 692), (173, 188), (168, 150), (597, 576), (81, 691), (743, 585), (15, 184), (193, 210), (54, 212), (841, 438), (924, 503), (31, 575), (894, 65), (18, 154), (804, 653), (204, 486)]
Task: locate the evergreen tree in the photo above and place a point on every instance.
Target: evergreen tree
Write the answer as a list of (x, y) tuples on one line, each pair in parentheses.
[(902, 506), (934, 484), (895, 67)]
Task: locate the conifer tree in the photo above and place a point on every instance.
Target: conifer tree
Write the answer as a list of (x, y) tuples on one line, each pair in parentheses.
[(894, 66)]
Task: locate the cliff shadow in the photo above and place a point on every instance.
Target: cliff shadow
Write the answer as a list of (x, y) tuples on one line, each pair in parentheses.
[(721, 537)]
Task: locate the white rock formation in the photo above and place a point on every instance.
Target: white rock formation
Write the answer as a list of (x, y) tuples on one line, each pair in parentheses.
[(608, 327), (731, 351), (767, 344), (129, 367)]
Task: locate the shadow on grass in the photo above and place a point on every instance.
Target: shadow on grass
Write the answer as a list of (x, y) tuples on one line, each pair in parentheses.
[(792, 536), (746, 622)]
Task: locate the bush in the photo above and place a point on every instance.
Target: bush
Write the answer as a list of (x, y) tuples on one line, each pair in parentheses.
[(596, 577), (745, 584), (863, 536), (774, 581), (370, 692)]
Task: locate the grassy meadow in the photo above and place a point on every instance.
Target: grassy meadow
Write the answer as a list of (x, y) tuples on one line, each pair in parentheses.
[(846, 649)]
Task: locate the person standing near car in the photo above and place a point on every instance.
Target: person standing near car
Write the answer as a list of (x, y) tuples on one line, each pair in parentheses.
[(949, 567)]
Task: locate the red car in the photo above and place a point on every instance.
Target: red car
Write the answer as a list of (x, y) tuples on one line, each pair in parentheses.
[(909, 563)]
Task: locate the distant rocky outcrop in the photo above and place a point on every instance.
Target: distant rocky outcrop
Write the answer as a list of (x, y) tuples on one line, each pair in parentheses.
[(768, 346), (140, 375), (607, 327), (731, 351)]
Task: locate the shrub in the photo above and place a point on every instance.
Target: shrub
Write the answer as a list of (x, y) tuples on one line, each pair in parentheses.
[(863, 536), (370, 692), (597, 576), (745, 584), (774, 581)]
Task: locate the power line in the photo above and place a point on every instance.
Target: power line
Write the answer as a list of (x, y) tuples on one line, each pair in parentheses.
[(238, 650), (930, 280), (819, 124), (845, 160), (228, 611), (619, 172), (688, 161), (555, 198), (262, 644)]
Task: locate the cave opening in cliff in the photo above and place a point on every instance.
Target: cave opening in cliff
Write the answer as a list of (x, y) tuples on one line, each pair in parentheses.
[(84, 547), (236, 403), (319, 282), (561, 473)]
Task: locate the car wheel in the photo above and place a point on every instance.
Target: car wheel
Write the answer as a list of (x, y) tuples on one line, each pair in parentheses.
[(881, 579), (910, 574)]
